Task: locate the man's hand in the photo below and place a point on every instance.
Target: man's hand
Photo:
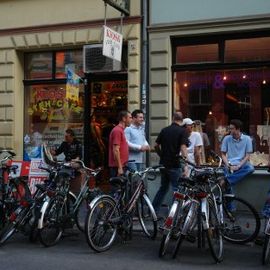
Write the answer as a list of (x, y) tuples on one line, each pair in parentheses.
[(120, 172), (145, 148), (234, 168)]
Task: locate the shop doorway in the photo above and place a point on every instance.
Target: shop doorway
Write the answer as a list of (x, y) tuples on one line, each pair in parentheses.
[(106, 95)]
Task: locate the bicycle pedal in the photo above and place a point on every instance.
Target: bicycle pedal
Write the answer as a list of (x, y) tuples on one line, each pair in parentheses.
[(190, 238)]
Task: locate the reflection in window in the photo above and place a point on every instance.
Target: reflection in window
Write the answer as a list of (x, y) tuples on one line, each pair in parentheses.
[(38, 66), (72, 59), (216, 96), (197, 53), (254, 49)]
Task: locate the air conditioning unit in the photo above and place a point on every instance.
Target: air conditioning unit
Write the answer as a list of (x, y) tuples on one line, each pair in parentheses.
[(94, 61)]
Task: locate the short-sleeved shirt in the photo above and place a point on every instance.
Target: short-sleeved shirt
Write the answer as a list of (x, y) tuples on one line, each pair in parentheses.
[(171, 138), (236, 149), (117, 137), (71, 150), (195, 139)]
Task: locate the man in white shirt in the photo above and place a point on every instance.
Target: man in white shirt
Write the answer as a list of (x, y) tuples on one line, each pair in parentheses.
[(137, 143), (195, 142)]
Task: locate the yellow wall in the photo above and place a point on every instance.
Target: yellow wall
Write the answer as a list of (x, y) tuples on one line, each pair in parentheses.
[(23, 13)]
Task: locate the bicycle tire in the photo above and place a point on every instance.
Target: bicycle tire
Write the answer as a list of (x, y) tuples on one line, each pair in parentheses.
[(11, 227), (266, 250), (169, 228), (98, 223), (241, 225), (147, 216), (83, 208), (52, 220), (189, 216), (214, 234)]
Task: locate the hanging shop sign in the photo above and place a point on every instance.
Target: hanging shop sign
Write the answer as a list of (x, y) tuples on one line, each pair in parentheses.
[(112, 44)]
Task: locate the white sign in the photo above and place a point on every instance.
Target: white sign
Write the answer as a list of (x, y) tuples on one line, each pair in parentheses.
[(112, 44)]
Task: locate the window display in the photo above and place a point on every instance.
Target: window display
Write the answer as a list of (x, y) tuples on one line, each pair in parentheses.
[(216, 96), (47, 115)]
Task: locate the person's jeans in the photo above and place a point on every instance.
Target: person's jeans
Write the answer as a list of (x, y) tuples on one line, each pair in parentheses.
[(266, 207), (136, 166), (234, 178), (168, 176)]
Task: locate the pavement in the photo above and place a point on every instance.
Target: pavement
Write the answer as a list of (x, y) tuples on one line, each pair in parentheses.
[(140, 253)]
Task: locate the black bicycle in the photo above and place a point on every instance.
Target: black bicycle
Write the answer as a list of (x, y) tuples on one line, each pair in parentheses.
[(109, 216)]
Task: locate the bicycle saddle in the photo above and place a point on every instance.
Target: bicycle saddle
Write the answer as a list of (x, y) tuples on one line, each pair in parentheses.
[(118, 180)]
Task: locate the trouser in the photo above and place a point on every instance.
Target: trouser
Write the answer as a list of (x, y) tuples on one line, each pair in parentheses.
[(168, 176)]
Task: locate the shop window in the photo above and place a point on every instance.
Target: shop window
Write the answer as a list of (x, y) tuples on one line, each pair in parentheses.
[(38, 66), (216, 96), (247, 50), (72, 59), (197, 53), (47, 115)]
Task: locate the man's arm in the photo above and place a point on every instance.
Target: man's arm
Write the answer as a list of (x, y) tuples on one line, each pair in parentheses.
[(158, 149), (116, 155), (197, 155), (225, 159)]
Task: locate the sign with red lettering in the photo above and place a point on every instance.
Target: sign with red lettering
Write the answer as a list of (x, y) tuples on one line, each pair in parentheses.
[(112, 44)]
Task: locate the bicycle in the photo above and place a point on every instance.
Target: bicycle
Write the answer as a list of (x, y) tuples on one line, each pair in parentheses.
[(62, 210), (241, 222), (266, 243), (109, 216), (199, 207), (13, 190)]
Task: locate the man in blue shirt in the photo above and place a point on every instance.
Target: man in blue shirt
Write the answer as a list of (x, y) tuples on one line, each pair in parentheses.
[(137, 143), (235, 151)]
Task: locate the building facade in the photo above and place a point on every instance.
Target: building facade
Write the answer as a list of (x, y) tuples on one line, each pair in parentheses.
[(210, 59), (38, 41)]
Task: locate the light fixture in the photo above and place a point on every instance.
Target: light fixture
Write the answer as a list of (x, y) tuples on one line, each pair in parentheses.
[(210, 112), (264, 82), (244, 76), (224, 78), (185, 84)]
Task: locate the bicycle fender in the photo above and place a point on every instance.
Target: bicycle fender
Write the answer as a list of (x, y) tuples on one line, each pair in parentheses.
[(93, 202), (42, 211), (150, 206), (205, 214)]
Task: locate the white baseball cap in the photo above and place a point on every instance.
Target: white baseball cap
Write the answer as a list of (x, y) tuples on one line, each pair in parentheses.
[(187, 121)]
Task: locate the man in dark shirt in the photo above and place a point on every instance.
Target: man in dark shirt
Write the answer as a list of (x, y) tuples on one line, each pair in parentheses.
[(71, 147), (171, 141)]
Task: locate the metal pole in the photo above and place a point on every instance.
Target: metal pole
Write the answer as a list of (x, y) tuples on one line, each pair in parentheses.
[(144, 67)]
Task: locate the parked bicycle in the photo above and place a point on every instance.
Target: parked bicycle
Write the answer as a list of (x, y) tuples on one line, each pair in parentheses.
[(109, 216), (63, 210), (266, 242), (194, 206), (14, 191)]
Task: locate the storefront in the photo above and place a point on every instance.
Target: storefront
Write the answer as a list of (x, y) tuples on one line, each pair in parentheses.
[(213, 71), (34, 55), (48, 113)]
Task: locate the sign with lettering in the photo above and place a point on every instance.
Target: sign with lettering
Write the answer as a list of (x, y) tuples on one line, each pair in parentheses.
[(112, 44)]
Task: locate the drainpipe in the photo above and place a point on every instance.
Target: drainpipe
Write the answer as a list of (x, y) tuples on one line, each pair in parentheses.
[(144, 67)]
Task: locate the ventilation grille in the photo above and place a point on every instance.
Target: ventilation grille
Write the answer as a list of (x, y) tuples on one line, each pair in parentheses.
[(94, 61)]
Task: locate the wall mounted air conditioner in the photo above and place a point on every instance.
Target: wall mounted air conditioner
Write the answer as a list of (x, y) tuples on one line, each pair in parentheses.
[(94, 61)]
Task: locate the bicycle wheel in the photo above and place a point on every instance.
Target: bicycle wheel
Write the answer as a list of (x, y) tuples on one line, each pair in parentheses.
[(100, 227), (171, 229), (12, 225), (188, 222), (147, 216), (214, 235), (266, 250), (83, 208), (52, 229), (241, 220)]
